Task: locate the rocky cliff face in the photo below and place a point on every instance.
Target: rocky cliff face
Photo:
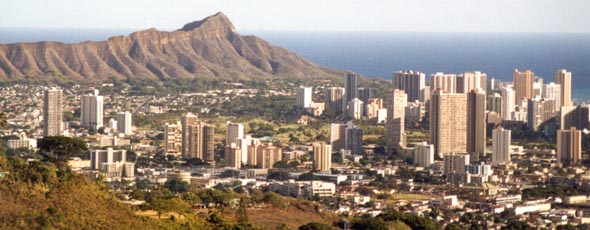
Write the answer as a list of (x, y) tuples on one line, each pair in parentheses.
[(206, 48)]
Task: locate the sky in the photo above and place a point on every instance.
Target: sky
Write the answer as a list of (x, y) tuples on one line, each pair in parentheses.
[(327, 15)]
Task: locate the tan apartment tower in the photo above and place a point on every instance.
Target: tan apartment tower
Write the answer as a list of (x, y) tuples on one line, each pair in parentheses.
[(322, 157), (569, 146), (397, 100), (52, 112), (188, 146), (334, 97), (523, 85), (412, 82), (564, 79), (476, 124), (448, 122)]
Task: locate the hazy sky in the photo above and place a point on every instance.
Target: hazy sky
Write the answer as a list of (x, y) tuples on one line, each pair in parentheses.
[(377, 15)]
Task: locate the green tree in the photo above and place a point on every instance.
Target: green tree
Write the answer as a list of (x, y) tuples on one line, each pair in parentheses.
[(279, 175), (315, 226), (176, 186), (370, 224), (58, 149)]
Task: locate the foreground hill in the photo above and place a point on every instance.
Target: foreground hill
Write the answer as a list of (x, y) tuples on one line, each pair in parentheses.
[(206, 48), (39, 196)]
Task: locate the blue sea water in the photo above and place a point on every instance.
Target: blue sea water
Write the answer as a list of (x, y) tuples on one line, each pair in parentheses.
[(378, 54)]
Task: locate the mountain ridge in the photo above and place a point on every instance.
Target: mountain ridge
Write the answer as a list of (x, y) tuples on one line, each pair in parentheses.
[(206, 48)]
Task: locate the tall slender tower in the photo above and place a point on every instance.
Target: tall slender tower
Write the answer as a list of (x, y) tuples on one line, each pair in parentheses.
[(564, 78), (476, 124), (569, 146), (233, 132), (334, 98), (233, 156), (208, 143), (52, 112), (124, 124), (448, 122), (304, 95), (338, 136), (188, 146), (396, 110), (322, 157), (552, 91), (501, 146), (173, 139), (350, 89), (507, 103), (412, 82), (523, 85), (91, 110)]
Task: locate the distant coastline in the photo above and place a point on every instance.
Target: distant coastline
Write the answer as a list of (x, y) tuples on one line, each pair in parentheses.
[(378, 54)]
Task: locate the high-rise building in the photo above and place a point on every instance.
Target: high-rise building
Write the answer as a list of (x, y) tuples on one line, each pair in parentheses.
[(338, 136), (244, 145), (454, 167), (415, 112), (355, 108), (476, 124), (52, 112), (569, 146), (173, 139), (495, 103), (471, 80), (494, 84), (501, 146), (322, 157), (267, 155), (91, 110), (197, 139), (97, 157), (539, 111), (537, 87), (445, 82), (233, 132), (423, 154), (448, 122), (112, 163), (373, 106), (350, 89), (410, 82), (233, 156), (188, 147), (304, 97), (365, 94), (575, 116), (353, 139), (564, 79), (397, 101), (523, 85), (124, 124), (507, 103), (208, 143), (552, 91), (334, 99)]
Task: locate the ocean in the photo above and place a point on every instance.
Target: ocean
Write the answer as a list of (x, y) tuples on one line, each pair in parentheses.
[(379, 54)]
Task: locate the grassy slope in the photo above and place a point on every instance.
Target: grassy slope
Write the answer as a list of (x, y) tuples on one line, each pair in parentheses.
[(298, 212), (35, 197)]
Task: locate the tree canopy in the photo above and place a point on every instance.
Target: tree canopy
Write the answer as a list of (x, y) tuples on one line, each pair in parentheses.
[(58, 149)]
